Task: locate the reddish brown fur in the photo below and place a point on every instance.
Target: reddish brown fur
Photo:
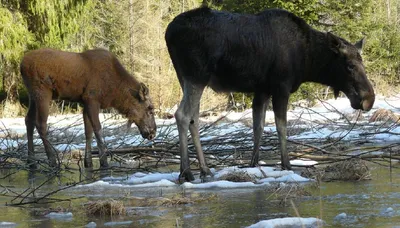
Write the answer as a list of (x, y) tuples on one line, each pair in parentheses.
[(94, 78)]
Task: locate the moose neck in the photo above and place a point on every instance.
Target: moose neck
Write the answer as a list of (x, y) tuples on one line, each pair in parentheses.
[(124, 100), (321, 57)]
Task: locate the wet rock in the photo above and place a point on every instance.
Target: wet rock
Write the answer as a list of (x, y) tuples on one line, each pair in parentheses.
[(389, 212), (345, 219), (340, 216)]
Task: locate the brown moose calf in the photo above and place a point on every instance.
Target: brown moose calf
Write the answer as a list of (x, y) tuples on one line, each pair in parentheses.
[(94, 78)]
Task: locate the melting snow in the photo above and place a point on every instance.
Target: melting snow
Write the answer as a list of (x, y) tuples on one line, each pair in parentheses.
[(293, 222), (264, 176), (60, 215)]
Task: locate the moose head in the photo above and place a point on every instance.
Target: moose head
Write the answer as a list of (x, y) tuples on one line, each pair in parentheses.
[(347, 73)]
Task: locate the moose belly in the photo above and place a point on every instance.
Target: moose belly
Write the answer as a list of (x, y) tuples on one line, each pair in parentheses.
[(236, 83)]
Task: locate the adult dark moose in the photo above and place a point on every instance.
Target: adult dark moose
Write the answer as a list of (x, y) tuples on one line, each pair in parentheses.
[(268, 54), (94, 78)]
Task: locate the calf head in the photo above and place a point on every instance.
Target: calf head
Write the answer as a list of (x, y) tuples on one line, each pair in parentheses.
[(347, 73), (142, 112)]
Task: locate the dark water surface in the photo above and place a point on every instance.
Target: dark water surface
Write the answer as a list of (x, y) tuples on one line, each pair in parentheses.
[(374, 203)]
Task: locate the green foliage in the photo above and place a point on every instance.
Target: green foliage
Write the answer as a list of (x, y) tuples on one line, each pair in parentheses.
[(134, 30), (307, 9), (57, 23), (377, 22), (14, 39), (14, 34), (352, 20)]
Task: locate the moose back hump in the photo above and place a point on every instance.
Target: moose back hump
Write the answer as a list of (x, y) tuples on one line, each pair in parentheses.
[(268, 54)]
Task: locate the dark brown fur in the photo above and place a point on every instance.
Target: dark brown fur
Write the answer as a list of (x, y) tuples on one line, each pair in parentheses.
[(269, 54), (94, 78)]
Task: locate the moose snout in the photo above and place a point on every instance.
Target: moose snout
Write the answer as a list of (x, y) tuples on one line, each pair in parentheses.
[(149, 134), (368, 102)]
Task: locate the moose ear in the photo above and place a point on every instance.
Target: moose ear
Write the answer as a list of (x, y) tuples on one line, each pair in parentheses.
[(143, 92), (140, 94), (335, 44), (360, 44)]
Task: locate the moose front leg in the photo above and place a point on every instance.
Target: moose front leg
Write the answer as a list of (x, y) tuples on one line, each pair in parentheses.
[(92, 110), (88, 163), (188, 109), (279, 104), (260, 104)]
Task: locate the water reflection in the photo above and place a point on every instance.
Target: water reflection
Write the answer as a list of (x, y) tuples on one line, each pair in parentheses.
[(366, 203)]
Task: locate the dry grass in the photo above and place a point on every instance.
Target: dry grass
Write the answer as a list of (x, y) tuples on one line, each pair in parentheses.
[(173, 201), (282, 192), (384, 115), (349, 170), (211, 100), (105, 207), (77, 154), (239, 176)]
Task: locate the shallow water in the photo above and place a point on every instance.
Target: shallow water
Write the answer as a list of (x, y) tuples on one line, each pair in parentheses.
[(374, 203)]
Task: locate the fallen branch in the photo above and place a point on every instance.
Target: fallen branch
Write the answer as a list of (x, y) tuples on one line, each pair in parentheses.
[(343, 157)]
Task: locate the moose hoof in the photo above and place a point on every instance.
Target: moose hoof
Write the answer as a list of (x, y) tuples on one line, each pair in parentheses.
[(53, 164), (88, 164), (32, 164), (186, 176), (286, 166), (103, 164), (205, 171), (254, 163)]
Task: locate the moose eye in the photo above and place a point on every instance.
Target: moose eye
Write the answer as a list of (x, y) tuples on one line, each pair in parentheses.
[(351, 67), (151, 109)]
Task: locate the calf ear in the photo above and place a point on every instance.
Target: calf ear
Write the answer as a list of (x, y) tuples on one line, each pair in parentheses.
[(143, 92), (335, 44), (360, 44)]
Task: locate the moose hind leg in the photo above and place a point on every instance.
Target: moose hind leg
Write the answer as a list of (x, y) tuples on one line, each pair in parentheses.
[(194, 131), (260, 104), (187, 109), (30, 120), (42, 113)]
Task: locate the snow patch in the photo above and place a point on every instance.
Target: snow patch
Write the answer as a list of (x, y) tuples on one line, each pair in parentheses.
[(59, 215), (292, 222), (8, 224)]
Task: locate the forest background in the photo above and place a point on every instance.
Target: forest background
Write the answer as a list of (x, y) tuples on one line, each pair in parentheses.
[(134, 31)]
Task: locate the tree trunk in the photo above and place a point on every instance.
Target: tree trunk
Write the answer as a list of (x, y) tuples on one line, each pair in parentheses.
[(12, 107)]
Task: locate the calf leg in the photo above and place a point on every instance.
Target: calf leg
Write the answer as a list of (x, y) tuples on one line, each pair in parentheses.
[(88, 163), (187, 109), (279, 104), (30, 120), (42, 113), (92, 110), (194, 131), (260, 104)]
